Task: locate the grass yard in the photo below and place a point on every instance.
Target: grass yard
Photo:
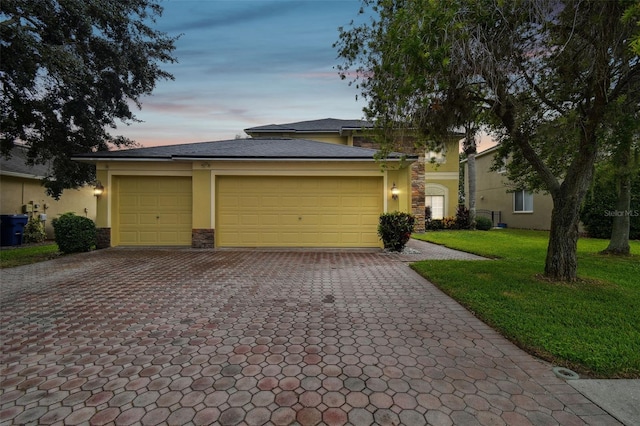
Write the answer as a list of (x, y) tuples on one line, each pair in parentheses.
[(591, 326), (10, 257)]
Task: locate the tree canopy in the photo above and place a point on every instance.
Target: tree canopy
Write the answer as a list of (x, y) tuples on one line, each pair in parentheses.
[(543, 74), (70, 71)]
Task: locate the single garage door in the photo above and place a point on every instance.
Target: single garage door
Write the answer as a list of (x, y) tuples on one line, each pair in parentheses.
[(261, 211), (154, 211)]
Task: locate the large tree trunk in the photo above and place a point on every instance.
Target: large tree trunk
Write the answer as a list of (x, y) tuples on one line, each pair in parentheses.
[(562, 262), (619, 243), (470, 149), (562, 257), (471, 171)]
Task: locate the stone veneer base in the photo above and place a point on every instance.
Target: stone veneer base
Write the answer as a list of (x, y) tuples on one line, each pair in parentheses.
[(203, 238), (103, 238)]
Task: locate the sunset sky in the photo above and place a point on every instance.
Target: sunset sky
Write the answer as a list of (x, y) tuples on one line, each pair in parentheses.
[(245, 63)]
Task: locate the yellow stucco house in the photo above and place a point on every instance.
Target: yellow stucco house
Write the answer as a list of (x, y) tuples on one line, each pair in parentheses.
[(21, 192), (434, 175), (258, 192)]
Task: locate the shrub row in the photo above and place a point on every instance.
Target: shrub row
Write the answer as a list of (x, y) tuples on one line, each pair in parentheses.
[(462, 220)]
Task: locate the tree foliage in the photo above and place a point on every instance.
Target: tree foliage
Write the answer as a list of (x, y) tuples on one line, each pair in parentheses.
[(72, 69), (542, 73), (599, 209)]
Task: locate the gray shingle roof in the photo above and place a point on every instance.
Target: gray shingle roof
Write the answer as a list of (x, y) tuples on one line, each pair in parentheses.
[(332, 125), (244, 149), (16, 165)]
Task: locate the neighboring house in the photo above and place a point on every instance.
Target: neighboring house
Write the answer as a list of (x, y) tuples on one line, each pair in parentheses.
[(499, 200), (434, 176), (259, 192), (22, 192)]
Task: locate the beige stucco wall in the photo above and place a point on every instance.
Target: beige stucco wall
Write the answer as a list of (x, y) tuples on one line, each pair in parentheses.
[(492, 194), (18, 191)]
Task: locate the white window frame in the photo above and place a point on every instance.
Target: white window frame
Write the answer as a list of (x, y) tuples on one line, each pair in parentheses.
[(429, 203), (526, 201)]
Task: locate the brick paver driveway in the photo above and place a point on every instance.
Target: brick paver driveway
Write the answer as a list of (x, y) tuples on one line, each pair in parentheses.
[(259, 337)]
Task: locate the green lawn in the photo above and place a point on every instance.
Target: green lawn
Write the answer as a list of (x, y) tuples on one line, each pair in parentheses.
[(10, 257), (591, 326)]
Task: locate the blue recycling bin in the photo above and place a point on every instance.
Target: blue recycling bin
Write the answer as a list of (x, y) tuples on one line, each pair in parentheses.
[(11, 229)]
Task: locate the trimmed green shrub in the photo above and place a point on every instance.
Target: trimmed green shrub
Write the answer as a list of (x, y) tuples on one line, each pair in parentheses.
[(434, 225), (394, 229), (463, 218), (483, 223), (33, 231), (74, 234)]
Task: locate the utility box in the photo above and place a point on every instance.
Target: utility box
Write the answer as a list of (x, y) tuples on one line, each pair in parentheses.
[(27, 208), (11, 229)]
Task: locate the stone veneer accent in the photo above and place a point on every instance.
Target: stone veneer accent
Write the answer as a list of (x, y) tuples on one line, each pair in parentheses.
[(417, 178), (417, 193), (103, 238), (203, 238)]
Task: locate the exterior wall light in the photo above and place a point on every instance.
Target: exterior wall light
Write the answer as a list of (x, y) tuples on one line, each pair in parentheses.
[(395, 191), (98, 189)]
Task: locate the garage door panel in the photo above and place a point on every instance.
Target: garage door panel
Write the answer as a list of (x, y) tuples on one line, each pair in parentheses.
[(350, 237), (308, 202), (371, 220), (250, 202), (269, 219), (366, 203), (154, 210), (268, 202), (250, 220), (330, 219), (309, 238), (289, 220), (168, 201), (169, 219), (267, 238), (148, 237), (128, 219), (330, 238), (289, 201), (146, 219), (329, 202), (312, 220), (298, 211), (147, 201), (128, 237), (229, 201), (229, 220)]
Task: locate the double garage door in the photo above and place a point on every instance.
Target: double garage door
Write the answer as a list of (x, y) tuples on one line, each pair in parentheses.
[(253, 211), (284, 211)]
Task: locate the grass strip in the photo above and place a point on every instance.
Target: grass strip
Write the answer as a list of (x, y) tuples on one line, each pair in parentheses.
[(11, 257), (591, 326)]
